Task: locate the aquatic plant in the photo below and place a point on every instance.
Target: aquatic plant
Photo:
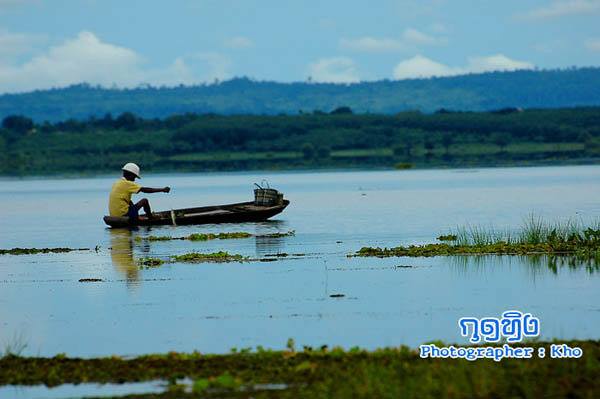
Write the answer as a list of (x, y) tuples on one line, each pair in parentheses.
[(150, 262), (290, 233), (15, 345), (221, 256), (219, 236), (535, 237), (535, 230), (448, 237), (199, 236), (575, 247), (159, 238), (33, 251), (323, 372), (224, 381)]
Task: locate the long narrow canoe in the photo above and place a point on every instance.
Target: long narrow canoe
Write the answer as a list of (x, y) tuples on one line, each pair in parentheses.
[(232, 213)]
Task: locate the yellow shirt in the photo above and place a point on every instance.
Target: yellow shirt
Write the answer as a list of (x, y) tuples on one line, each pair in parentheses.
[(120, 196)]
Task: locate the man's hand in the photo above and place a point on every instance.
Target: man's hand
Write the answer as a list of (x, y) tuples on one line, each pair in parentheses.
[(166, 189)]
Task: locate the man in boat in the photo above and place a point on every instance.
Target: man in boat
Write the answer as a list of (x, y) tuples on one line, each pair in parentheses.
[(119, 202)]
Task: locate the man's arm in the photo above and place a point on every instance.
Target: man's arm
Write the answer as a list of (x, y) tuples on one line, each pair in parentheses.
[(150, 190)]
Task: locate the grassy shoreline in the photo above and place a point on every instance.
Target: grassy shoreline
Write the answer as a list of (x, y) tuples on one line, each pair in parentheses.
[(323, 372), (536, 237)]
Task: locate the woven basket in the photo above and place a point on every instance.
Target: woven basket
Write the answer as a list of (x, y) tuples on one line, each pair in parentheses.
[(267, 196)]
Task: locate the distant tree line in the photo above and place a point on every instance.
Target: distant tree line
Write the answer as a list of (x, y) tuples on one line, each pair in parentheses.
[(315, 135)]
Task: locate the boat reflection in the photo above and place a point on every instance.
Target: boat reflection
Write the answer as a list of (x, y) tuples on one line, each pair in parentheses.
[(266, 244)]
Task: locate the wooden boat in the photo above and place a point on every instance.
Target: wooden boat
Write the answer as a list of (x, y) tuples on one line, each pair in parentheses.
[(232, 213)]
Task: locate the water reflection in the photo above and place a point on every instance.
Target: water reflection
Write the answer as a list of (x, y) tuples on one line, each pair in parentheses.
[(536, 264), (269, 245), (121, 254)]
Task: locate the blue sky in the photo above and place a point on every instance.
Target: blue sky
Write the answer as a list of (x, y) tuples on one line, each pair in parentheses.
[(53, 43)]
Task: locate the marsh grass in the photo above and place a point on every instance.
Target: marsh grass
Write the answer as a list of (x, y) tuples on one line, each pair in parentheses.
[(536, 236), (326, 373), (534, 230), (15, 345)]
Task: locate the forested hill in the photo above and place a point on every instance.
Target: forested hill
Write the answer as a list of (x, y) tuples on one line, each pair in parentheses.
[(476, 92)]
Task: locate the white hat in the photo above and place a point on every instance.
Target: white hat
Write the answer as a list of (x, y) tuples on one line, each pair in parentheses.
[(133, 168)]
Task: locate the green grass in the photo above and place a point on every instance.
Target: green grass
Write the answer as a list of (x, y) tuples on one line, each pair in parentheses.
[(219, 236), (221, 256), (34, 251), (150, 262), (535, 237), (535, 230), (325, 373)]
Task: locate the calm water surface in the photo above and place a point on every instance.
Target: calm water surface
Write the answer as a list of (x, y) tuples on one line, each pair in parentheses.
[(215, 307)]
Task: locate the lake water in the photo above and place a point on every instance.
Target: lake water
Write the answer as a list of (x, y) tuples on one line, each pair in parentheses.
[(215, 307)]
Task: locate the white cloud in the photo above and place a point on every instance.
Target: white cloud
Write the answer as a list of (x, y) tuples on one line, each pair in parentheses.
[(561, 8), (410, 39), (239, 42), (211, 66), (423, 67), (593, 44), (16, 44), (334, 70), (416, 37), (86, 58), (498, 62), (83, 59), (372, 44), (179, 72)]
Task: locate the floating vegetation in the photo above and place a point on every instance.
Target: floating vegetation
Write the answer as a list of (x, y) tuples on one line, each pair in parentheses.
[(159, 238), (150, 262), (536, 237), (284, 255), (215, 236), (224, 381), (448, 237), (278, 235), (323, 372), (219, 236), (33, 251), (221, 256)]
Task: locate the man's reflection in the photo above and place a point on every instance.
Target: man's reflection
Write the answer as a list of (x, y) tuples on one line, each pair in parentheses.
[(121, 254)]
